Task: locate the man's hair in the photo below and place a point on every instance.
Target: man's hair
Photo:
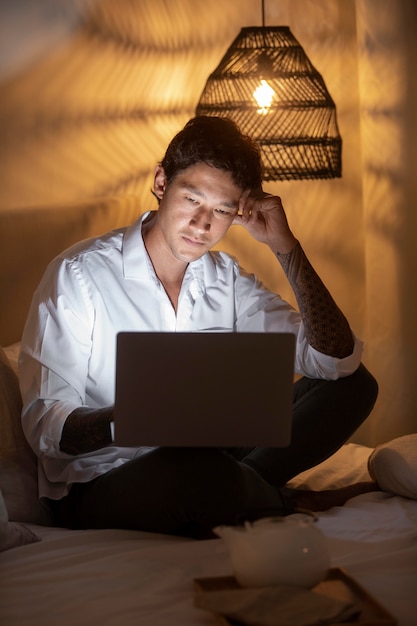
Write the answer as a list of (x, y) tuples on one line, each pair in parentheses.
[(218, 142)]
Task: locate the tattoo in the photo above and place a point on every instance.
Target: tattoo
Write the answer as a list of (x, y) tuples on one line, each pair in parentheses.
[(327, 329), (86, 430)]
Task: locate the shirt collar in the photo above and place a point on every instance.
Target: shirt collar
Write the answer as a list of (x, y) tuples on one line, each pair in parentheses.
[(203, 272), (137, 264)]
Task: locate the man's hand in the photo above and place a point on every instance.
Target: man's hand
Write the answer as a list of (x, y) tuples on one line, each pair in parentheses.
[(263, 216), (326, 327), (86, 430)]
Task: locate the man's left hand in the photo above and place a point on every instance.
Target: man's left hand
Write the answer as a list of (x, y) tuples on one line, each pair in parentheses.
[(263, 216)]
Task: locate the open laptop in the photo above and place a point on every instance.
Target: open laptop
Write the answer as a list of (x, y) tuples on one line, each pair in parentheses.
[(204, 389)]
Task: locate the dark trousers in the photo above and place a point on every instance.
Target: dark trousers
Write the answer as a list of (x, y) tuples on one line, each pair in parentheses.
[(187, 491)]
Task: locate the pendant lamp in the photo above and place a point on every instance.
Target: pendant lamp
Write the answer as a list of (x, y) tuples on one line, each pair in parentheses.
[(268, 86)]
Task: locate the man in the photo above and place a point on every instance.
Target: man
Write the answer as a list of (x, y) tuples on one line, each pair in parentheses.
[(159, 274)]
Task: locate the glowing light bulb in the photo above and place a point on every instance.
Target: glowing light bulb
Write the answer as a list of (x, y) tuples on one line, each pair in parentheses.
[(264, 95)]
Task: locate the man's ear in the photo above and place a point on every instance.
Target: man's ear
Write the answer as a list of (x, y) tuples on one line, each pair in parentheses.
[(160, 182)]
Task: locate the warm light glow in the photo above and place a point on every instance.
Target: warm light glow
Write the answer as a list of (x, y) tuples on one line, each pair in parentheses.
[(264, 95)]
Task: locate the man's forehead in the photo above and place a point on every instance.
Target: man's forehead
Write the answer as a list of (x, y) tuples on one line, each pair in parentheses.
[(218, 185)]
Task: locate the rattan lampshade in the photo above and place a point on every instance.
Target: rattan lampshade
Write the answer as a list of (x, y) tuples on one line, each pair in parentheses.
[(296, 128)]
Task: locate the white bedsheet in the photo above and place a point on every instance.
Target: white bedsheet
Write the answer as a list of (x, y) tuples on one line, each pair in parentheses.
[(374, 538), (124, 578)]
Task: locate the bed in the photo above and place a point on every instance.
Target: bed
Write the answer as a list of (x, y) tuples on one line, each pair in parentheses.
[(55, 576)]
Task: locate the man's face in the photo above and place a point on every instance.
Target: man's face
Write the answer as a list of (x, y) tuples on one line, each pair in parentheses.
[(196, 209)]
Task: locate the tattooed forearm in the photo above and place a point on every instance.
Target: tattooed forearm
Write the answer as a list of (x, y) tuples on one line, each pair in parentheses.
[(86, 430), (327, 329)]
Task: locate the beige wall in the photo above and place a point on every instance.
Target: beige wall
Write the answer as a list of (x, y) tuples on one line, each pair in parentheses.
[(387, 50), (93, 91)]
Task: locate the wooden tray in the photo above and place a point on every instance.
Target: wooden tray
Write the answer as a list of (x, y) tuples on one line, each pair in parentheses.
[(337, 584)]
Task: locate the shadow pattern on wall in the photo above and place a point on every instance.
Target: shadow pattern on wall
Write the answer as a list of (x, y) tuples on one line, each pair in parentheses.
[(93, 115)]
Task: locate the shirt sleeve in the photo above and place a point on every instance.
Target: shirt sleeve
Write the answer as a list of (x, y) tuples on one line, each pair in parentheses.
[(260, 310), (53, 364)]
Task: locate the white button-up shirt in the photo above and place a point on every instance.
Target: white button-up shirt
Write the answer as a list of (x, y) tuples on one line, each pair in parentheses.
[(105, 285)]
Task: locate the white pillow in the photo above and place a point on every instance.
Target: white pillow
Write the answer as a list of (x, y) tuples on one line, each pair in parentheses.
[(13, 534), (346, 466), (18, 464), (12, 354), (394, 466)]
